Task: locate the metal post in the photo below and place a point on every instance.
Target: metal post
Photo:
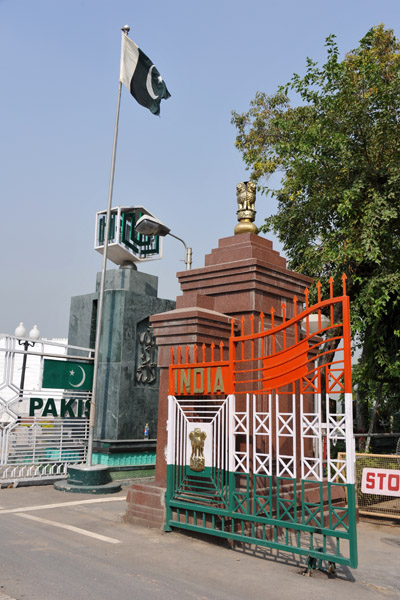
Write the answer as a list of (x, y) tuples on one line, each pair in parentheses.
[(102, 281), (26, 345), (188, 258), (188, 252)]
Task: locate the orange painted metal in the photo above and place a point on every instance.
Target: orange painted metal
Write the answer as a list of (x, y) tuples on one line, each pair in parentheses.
[(273, 358), (286, 366)]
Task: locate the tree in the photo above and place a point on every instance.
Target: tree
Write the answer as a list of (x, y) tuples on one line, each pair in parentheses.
[(338, 151)]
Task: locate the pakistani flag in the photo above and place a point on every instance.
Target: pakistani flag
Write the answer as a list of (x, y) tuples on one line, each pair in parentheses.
[(141, 77), (68, 375)]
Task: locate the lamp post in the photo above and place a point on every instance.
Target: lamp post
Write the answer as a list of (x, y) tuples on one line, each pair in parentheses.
[(34, 336), (148, 225)]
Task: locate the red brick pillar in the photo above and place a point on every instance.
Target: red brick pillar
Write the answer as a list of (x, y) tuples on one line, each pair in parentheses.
[(243, 276), (182, 327)]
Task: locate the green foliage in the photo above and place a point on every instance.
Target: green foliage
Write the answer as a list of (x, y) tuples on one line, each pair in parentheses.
[(338, 151)]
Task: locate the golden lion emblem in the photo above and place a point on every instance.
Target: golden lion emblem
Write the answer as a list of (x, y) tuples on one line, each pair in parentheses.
[(197, 460)]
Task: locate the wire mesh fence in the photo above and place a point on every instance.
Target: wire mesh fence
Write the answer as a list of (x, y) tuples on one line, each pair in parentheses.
[(379, 505)]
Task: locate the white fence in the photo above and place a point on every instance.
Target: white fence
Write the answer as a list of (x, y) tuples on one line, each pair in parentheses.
[(36, 443)]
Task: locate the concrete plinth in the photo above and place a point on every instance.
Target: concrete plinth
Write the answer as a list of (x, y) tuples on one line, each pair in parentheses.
[(88, 480)]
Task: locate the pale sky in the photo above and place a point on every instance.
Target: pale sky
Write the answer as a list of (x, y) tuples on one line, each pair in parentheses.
[(59, 64)]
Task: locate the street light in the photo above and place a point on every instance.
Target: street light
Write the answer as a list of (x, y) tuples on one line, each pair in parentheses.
[(34, 336), (149, 225)]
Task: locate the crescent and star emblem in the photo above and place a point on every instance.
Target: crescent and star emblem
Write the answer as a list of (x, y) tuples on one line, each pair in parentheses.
[(148, 83), (72, 373)]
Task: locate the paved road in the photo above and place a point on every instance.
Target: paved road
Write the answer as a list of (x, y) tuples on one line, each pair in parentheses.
[(58, 546)]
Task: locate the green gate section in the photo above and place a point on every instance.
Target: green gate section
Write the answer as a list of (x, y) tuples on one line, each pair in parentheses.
[(310, 518)]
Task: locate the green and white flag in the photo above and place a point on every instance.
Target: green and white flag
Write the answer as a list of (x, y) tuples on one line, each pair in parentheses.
[(141, 77), (67, 375)]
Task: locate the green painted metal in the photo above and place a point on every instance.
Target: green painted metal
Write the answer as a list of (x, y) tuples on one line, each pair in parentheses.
[(124, 459), (69, 374), (262, 510), (140, 244), (138, 473), (102, 229), (351, 501), (88, 480)]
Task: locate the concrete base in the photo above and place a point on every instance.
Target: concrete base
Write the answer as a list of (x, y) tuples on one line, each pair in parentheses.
[(125, 453), (146, 505), (88, 480)]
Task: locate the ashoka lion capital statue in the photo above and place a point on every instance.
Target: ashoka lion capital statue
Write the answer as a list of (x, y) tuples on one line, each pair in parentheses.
[(246, 213), (197, 461)]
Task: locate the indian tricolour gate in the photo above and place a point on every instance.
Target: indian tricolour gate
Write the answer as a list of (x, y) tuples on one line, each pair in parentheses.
[(252, 431)]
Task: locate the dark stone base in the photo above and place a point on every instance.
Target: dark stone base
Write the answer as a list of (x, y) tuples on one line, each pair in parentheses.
[(122, 446), (88, 480)]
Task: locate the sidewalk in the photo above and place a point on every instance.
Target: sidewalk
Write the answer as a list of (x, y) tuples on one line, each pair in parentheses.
[(58, 545)]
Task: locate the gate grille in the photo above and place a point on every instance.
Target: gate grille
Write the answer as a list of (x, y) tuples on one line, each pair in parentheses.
[(39, 447), (270, 473)]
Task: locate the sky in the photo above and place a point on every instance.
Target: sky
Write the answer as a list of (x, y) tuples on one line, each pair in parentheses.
[(59, 64)]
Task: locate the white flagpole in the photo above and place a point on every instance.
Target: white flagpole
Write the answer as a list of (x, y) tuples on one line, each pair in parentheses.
[(92, 413)]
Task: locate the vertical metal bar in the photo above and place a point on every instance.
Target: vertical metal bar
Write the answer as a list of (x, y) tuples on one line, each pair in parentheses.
[(248, 434), (232, 440), (254, 437), (170, 460), (294, 421), (92, 413), (270, 429), (348, 397), (302, 434), (328, 427), (61, 438), (351, 503), (34, 440), (278, 466), (320, 441)]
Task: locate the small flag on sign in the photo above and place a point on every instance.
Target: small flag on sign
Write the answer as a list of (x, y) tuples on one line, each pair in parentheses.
[(68, 375), (141, 77)]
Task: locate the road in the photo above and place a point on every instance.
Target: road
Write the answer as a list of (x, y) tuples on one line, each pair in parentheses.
[(59, 546)]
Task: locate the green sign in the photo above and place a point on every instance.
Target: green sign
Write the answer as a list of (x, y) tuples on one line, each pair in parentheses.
[(67, 375)]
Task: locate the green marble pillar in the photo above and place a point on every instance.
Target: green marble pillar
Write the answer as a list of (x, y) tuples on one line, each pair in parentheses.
[(128, 378)]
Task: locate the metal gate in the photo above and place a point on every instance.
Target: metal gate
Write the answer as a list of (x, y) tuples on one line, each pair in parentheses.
[(254, 431), (42, 430)]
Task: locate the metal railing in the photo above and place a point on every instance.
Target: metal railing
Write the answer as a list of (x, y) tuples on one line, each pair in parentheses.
[(38, 439), (39, 447)]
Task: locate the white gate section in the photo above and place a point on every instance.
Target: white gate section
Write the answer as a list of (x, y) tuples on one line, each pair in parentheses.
[(286, 428), (33, 446), (262, 461), (211, 416), (241, 430), (274, 450), (323, 437)]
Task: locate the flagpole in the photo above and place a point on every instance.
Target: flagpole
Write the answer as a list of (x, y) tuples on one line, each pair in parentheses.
[(92, 412)]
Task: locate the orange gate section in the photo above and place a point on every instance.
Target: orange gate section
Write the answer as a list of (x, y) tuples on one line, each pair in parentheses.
[(276, 355)]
